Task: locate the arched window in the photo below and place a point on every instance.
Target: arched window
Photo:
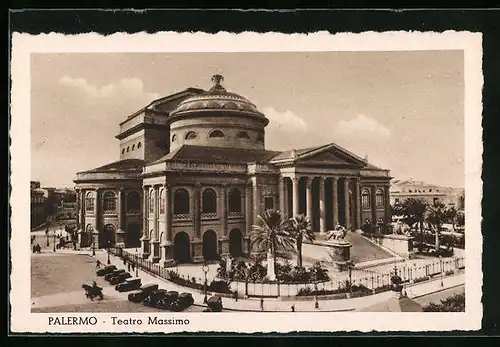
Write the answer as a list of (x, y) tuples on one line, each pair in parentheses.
[(128, 149), (133, 147), (162, 201), (109, 202), (151, 202), (139, 145), (216, 134), (260, 138), (89, 228), (181, 201), (133, 202), (243, 135), (174, 138), (89, 202), (209, 203), (190, 135), (234, 200), (365, 198), (379, 197)]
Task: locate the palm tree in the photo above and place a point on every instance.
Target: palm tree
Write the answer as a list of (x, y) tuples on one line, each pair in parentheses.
[(436, 214), (300, 229), (270, 233), (414, 211)]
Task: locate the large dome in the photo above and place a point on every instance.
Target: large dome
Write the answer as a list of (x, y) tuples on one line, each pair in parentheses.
[(217, 99)]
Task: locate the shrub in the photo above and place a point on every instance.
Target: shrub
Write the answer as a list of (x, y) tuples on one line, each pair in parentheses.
[(421, 279), (220, 287), (305, 291), (455, 303)]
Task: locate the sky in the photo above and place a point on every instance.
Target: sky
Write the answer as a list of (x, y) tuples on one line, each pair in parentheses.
[(404, 111)]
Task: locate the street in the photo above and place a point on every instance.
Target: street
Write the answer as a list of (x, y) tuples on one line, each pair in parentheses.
[(56, 286)]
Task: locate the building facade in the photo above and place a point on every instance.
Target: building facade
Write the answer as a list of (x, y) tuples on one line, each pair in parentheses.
[(404, 189), (194, 174), (38, 198)]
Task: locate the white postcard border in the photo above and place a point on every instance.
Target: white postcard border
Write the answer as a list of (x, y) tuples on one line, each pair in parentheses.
[(22, 320)]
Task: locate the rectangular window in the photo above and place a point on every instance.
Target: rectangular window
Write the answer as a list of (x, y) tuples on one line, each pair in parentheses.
[(365, 200), (89, 204), (268, 203)]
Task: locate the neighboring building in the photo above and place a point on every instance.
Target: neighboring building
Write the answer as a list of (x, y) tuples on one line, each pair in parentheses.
[(404, 189), (194, 174), (38, 215)]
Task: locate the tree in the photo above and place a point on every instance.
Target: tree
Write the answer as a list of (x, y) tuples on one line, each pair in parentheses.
[(414, 211), (437, 213), (451, 216), (271, 234), (300, 229)]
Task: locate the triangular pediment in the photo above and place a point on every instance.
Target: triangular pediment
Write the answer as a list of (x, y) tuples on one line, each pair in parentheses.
[(327, 157), (330, 154), (330, 157)]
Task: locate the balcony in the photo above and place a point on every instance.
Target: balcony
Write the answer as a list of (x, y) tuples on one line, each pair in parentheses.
[(181, 216), (209, 216), (234, 215)]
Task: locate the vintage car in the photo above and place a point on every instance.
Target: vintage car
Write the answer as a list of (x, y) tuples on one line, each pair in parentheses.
[(142, 293), (184, 301), (214, 304), (132, 283), (121, 277), (154, 297), (109, 276), (169, 301), (106, 270)]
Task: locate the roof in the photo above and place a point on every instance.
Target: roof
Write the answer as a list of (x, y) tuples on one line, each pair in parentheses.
[(220, 155), (125, 165), (403, 304)]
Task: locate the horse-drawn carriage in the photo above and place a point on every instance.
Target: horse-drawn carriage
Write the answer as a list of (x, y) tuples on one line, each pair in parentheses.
[(93, 291)]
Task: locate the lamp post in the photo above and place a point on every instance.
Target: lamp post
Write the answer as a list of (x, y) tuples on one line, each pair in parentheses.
[(54, 241), (136, 264), (441, 269), (109, 260), (350, 266), (47, 236), (93, 248), (205, 269)]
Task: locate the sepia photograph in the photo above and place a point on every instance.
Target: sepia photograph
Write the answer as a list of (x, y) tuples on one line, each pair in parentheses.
[(172, 183)]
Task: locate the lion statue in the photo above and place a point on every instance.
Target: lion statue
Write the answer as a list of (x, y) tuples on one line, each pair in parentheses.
[(338, 233)]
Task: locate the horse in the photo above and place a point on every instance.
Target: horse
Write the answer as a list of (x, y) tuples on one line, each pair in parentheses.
[(92, 292), (37, 249)]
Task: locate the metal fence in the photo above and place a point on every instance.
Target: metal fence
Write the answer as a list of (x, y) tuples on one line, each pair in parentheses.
[(371, 280)]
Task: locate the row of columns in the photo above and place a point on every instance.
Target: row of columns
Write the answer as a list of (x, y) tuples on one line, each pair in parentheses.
[(322, 208)]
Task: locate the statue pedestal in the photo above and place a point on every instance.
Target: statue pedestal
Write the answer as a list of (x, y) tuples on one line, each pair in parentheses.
[(399, 244), (270, 267), (340, 253)]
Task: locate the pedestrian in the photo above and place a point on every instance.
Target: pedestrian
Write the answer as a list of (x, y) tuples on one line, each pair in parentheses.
[(133, 266), (98, 264), (293, 308), (128, 267), (235, 294), (262, 304)]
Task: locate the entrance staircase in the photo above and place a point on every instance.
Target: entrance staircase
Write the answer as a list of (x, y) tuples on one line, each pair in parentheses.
[(363, 250)]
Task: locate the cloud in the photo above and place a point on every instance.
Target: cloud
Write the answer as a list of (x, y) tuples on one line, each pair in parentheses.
[(284, 121), (125, 86), (362, 126)]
